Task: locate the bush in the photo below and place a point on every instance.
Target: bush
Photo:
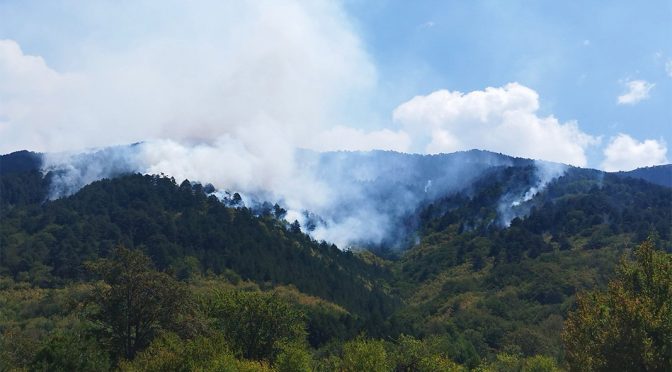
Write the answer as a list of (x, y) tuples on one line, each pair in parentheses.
[(256, 323), (69, 351), (365, 355), (293, 358)]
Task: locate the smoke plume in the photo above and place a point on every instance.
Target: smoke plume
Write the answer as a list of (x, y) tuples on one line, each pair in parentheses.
[(515, 204), (227, 93), (348, 198)]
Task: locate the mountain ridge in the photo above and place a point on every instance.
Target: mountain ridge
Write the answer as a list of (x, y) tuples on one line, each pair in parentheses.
[(26, 160)]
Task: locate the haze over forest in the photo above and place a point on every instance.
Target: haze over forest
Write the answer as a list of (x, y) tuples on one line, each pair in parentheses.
[(335, 186)]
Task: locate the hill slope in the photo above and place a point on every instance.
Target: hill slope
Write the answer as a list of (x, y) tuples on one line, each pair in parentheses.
[(172, 224), (510, 288), (660, 174)]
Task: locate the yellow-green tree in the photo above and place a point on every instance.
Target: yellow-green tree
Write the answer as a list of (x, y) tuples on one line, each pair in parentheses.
[(628, 327), (134, 301), (255, 324), (365, 355)]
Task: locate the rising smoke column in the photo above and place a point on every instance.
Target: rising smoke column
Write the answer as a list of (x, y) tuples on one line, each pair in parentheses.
[(512, 204)]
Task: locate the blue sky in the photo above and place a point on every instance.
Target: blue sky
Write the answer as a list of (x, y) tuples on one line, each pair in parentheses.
[(576, 55), (342, 75)]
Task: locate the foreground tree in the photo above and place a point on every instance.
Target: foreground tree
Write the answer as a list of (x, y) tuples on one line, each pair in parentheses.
[(256, 324), (365, 355), (628, 327), (135, 301)]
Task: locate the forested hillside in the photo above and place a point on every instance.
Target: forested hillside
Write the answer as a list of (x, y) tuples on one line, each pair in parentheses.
[(660, 174), (181, 229), (488, 282), (509, 289)]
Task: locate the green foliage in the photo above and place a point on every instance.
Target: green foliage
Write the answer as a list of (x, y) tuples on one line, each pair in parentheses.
[(17, 348), (186, 268), (170, 353), (182, 229), (22, 188), (293, 357), (515, 307), (363, 354), (255, 324), (30, 318), (135, 301), (505, 362), (68, 347), (540, 363), (69, 351), (438, 363), (471, 294), (429, 355), (629, 326), (508, 289), (658, 174)]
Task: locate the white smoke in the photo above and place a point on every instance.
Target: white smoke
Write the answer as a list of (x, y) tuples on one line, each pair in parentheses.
[(266, 73), (73, 170), (359, 198), (226, 92), (514, 204)]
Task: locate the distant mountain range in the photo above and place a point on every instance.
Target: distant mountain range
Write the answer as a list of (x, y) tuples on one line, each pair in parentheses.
[(24, 161)]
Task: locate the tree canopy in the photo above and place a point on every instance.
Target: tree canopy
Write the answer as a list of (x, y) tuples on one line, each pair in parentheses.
[(628, 327)]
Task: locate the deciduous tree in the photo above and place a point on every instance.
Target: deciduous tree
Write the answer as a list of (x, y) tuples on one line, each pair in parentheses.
[(134, 301), (629, 326)]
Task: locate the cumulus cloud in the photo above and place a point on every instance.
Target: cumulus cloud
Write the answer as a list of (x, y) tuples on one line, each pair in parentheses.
[(196, 72), (625, 153), (668, 67), (500, 119), (269, 75), (637, 90), (31, 98)]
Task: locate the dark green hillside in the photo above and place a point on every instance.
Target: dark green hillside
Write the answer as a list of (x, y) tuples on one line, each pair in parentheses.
[(19, 162), (181, 229), (659, 174), (21, 181), (510, 288), (580, 207)]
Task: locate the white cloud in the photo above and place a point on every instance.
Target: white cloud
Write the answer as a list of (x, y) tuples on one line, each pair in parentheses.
[(498, 119), (194, 72), (626, 153), (637, 90), (668, 67), (31, 98)]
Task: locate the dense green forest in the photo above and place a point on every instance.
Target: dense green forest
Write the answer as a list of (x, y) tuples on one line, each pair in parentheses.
[(659, 174), (142, 273)]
